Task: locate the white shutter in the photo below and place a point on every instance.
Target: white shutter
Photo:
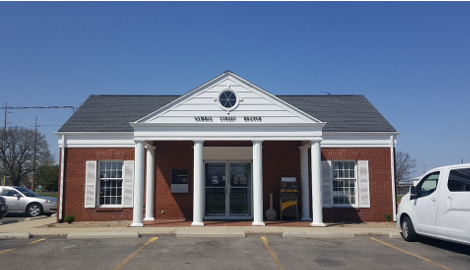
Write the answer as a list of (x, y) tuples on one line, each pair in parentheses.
[(363, 180), (326, 184), (128, 184), (90, 184)]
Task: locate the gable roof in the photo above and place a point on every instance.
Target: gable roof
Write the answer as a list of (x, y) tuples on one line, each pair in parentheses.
[(112, 113)]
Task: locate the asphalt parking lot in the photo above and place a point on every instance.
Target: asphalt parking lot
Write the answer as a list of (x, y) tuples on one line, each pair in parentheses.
[(252, 252)]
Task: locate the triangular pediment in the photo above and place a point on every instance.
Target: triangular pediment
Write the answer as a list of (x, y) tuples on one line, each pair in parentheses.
[(228, 99)]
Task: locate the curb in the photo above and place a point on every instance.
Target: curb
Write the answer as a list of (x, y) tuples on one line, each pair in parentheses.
[(103, 235), (395, 235), (8, 221), (34, 218), (210, 234), (317, 235), (14, 235)]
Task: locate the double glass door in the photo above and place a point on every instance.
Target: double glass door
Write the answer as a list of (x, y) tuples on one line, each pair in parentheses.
[(228, 190)]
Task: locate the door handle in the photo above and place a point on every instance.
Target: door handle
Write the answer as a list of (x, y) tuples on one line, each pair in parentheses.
[(433, 200), (449, 201)]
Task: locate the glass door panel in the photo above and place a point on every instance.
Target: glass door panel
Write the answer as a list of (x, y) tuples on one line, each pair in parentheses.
[(240, 189), (216, 202)]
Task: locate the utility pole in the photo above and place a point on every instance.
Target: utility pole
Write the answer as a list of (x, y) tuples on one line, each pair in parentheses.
[(34, 152), (4, 148)]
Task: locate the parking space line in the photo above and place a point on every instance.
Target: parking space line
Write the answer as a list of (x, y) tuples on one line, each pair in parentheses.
[(412, 254), (119, 266), (6, 250), (273, 253), (36, 241)]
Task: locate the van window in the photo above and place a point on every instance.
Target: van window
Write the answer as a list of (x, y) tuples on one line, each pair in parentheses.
[(428, 185), (459, 180)]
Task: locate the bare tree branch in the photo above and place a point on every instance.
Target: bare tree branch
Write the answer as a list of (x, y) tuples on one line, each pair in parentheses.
[(405, 167), (18, 153)]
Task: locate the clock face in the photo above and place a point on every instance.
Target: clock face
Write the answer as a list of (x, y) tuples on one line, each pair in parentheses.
[(228, 99)]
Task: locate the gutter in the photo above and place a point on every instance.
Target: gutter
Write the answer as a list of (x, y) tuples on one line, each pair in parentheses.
[(62, 167)]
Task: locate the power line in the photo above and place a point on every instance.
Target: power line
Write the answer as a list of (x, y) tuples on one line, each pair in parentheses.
[(41, 107)]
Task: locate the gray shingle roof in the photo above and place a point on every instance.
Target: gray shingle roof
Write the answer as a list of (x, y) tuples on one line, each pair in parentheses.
[(112, 113)]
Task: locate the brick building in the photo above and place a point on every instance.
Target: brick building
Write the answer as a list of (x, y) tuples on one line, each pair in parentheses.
[(219, 151)]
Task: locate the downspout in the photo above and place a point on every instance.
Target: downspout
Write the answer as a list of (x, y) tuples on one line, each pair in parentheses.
[(392, 161), (62, 167)]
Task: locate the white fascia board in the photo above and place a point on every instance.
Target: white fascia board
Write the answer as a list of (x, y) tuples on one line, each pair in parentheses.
[(97, 139), (357, 139), (229, 132)]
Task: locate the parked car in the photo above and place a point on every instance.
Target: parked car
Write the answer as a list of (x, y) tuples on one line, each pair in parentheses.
[(438, 206), (3, 207), (23, 200)]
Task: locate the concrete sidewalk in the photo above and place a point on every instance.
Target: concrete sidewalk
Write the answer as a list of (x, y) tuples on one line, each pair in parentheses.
[(27, 229)]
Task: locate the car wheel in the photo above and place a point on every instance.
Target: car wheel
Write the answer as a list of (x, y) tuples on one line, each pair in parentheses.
[(408, 231), (34, 210)]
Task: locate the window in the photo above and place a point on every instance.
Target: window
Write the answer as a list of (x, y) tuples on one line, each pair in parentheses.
[(228, 99), (428, 185), (110, 182), (344, 183), (459, 180)]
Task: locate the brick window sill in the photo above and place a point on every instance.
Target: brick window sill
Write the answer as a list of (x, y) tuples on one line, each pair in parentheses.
[(109, 209)]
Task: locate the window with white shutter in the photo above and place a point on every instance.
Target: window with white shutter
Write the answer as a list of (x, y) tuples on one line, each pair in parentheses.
[(114, 182), (348, 184)]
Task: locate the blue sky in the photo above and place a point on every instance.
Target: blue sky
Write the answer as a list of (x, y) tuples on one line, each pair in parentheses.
[(410, 59)]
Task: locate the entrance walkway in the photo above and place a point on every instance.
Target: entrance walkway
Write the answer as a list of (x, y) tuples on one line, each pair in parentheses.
[(183, 223)]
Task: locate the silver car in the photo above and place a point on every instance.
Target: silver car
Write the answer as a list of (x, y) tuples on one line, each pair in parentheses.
[(23, 200)]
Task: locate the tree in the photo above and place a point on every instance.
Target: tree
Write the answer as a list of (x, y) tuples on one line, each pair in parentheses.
[(405, 166), (48, 177), (23, 147)]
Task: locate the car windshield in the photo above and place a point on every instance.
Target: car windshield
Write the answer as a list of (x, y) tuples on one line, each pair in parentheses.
[(27, 192)]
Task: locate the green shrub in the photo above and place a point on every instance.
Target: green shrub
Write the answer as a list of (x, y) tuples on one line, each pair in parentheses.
[(388, 217), (69, 218)]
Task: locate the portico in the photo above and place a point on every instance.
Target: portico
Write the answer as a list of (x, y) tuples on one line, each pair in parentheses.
[(147, 156)]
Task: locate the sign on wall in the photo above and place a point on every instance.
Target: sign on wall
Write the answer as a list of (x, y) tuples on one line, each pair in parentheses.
[(179, 181)]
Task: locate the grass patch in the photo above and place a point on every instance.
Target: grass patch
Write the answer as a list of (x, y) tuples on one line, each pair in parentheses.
[(48, 194)]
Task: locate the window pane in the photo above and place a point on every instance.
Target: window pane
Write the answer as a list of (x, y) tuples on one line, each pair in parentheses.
[(344, 182), (459, 180)]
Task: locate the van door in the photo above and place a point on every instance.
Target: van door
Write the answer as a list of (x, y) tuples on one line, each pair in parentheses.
[(425, 204), (454, 206)]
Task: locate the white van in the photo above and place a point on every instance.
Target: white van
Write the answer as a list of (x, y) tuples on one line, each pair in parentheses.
[(438, 206)]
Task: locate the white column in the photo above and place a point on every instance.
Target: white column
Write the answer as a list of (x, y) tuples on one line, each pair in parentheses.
[(257, 184), (304, 182), (150, 191), (198, 199), (138, 183), (317, 201)]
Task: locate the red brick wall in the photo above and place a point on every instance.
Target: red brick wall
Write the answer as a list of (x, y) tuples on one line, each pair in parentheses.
[(380, 185), (280, 159), (74, 185), (173, 156)]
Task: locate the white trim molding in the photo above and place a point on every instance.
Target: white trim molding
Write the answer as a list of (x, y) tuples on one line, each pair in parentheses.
[(358, 139), (97, 139)]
